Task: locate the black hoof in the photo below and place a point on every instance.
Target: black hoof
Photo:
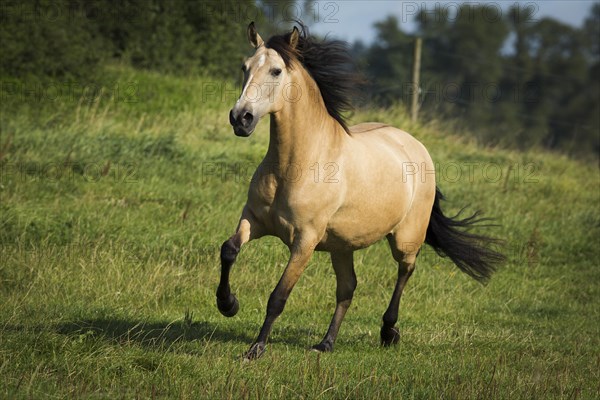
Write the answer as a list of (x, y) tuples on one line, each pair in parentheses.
[(256, 351), (389, 336), (229, 306), (323, 347)]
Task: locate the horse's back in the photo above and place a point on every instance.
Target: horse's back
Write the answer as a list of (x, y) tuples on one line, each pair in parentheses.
[(366, 127), (378, 134)]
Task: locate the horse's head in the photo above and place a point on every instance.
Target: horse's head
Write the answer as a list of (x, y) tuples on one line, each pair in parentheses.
[(265, 77)]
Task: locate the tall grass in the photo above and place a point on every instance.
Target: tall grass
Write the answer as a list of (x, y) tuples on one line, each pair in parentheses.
[(112, 213)]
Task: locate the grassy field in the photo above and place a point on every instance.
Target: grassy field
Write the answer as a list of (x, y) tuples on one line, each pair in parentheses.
[(113, 212)]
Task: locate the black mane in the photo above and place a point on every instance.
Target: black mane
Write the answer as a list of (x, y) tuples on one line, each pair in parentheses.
[(329, 63)]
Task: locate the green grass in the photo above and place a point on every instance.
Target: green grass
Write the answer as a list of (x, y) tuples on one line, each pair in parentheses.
[(112, 214)]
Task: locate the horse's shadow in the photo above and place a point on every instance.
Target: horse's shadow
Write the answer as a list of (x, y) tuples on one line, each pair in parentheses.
[(150, 334), (162, 334)]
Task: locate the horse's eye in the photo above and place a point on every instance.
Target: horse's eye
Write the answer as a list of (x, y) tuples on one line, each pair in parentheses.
[(276, 71), (244, 68)]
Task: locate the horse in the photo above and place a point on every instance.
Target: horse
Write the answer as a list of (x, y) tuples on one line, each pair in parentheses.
[(376, 181)]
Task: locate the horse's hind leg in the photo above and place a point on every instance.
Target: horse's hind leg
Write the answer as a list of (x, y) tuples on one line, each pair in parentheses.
[(405, 254), (343, 265)]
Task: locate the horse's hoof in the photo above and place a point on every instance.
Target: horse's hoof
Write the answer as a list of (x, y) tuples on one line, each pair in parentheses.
[(323, 347), (228, 307), (389, 336), (256, 351)]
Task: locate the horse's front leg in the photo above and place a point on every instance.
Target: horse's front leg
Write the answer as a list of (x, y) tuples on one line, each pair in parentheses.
[(300, 253), (247, 230)]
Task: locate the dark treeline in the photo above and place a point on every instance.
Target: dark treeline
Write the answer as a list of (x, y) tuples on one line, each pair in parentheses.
[(71, 38), (505, 75)]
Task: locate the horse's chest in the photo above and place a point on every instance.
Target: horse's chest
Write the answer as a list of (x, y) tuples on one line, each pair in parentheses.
[(263, 189), (264, 198), (283, 208)]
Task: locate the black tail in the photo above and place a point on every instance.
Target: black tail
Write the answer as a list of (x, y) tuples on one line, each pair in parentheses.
[(449, 237)]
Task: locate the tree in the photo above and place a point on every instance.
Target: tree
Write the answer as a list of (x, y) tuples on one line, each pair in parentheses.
[(388, 63), (46, 38), (462, 68)]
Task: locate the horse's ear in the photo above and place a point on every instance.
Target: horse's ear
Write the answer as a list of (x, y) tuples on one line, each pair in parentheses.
[(294, 36), (253, 36)]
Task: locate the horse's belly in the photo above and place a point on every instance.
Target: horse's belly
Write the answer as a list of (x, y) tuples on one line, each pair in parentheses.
[(336, 240), (357, 226)]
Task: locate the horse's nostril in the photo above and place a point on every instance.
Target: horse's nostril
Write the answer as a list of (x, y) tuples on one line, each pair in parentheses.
[(248, 118)]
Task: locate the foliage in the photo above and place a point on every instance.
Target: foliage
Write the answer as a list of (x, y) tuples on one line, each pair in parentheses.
[(511, 79), (387, 59), (46, 38), (70, 38)]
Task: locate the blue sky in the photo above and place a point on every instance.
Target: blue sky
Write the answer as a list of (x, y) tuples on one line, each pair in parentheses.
[(353, 19)]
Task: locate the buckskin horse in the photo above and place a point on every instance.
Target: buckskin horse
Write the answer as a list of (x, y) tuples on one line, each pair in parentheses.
[(374, 186)]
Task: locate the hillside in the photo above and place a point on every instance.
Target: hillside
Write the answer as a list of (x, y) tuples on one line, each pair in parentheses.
[(113, 211)]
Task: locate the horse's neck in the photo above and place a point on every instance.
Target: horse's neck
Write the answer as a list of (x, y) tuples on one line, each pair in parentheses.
[(303, 132)]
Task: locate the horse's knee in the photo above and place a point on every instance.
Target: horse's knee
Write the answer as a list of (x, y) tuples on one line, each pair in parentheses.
[(229, 252)]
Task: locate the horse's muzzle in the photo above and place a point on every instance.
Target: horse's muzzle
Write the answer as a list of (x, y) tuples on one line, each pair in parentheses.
[(243, 123)]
